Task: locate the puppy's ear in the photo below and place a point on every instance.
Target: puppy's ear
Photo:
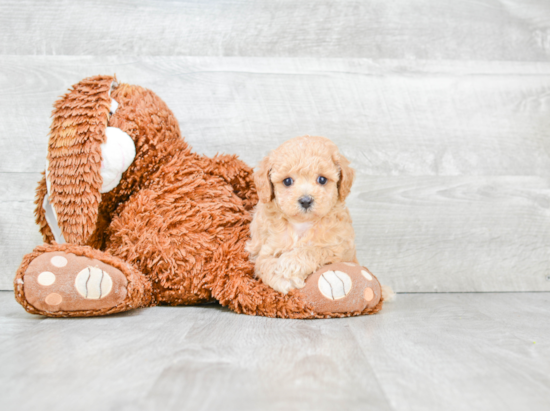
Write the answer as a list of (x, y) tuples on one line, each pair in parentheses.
[(263, 182), (347, 174)]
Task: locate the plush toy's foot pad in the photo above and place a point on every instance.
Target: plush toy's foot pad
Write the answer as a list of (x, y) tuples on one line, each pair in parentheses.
[(60, 281), (343, 288)]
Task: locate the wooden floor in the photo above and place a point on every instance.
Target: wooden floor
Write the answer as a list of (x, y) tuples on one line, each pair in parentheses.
[(422, 352)]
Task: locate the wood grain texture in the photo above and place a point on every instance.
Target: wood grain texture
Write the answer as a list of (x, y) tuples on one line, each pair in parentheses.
[(18, 231), (424, 351), (212, 360), (388, 117), (461, 351), (403, 29), (454, 233), (418, 234), (452, 158)]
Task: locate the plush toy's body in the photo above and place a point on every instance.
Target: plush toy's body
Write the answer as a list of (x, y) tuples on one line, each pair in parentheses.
[(170, 229)]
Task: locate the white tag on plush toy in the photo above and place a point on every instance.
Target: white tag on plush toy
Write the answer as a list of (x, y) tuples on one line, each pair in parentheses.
[(49, 210), (51, 219), (118, 153), (114, 106)]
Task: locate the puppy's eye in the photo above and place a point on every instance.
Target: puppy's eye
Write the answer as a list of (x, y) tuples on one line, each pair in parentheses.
[(322, 180), (288, 181)]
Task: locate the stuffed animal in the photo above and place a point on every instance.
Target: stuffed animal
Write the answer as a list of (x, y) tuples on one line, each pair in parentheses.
[(132, 217)]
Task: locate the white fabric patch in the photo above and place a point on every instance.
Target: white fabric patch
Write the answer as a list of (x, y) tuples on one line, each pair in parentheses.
[(118, 153), (366, 275), (114, 106), (46, 278), (58, 261), (93, 283), (50, 214), (51, 219), (334, 284)]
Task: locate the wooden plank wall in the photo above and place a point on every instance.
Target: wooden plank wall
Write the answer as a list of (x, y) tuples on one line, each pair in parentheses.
[(442, 107)]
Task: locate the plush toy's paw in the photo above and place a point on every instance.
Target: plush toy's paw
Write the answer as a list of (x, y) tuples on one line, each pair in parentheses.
[(61, 283), (342, 288)]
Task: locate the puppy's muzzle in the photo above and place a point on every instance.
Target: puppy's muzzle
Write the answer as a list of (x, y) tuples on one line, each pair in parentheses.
[(306, 202)]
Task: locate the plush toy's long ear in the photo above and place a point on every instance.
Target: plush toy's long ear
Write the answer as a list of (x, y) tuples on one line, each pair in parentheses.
[(74, 160), (263, 182), (347, 174)]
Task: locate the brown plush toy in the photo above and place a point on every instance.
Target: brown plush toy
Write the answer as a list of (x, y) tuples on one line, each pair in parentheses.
[(131, 217)]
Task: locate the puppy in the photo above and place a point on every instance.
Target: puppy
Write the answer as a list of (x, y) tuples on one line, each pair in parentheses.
[(301, 222)]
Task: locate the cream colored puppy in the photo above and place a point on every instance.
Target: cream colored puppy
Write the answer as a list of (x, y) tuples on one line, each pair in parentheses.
[(301, 222)]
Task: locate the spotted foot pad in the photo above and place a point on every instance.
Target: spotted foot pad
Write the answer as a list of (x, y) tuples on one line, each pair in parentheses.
[(59, 281), (342, 288)]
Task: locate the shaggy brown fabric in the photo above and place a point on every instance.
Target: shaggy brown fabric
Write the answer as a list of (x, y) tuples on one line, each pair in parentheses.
[(176, 224)]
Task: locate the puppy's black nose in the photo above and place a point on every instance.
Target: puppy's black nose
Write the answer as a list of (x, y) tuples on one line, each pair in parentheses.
[(306, 202)]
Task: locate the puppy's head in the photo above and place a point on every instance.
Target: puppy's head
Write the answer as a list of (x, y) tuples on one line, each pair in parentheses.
[(305, 177)]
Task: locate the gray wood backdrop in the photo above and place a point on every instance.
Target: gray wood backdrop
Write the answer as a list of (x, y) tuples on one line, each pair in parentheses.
[(442, 107)]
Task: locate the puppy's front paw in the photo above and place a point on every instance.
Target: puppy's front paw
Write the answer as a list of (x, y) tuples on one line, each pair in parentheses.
[(291, 273), (291, 269), (297, 282), (282, 285)]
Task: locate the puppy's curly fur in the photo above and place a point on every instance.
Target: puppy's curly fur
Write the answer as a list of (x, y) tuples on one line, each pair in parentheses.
[(301, 222)]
